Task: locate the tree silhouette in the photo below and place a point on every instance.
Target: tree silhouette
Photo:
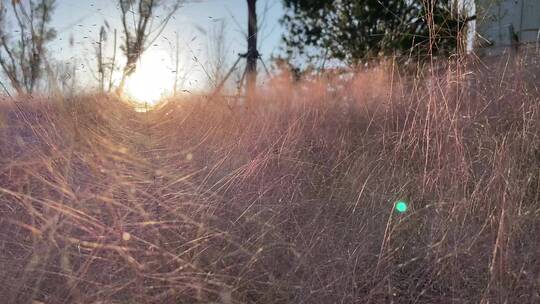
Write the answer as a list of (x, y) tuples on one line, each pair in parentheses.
[(141, 27), (22, 50), (354, 31)]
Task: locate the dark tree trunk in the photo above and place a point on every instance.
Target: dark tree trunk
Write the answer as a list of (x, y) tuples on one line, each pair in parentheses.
[(252, 53)]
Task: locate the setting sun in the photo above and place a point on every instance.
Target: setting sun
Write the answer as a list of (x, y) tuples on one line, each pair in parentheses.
[(153, 78)]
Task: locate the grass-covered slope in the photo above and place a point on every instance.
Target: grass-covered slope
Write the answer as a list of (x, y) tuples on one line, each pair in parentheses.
[(291, 203)]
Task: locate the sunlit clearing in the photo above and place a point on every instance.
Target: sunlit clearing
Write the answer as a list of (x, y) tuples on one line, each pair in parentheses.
[(142, 108), (152, 80)]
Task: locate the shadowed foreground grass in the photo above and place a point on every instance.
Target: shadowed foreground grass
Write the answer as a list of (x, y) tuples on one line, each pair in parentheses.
[(292, 203)]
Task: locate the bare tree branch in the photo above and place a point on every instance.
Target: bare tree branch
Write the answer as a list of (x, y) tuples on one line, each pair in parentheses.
[(144, 32), (21, 58)]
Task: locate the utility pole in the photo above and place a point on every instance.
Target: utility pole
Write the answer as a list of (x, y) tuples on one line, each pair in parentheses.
[(177, 66), (249, 77), (112, 64), (252, 54), (100, 61)]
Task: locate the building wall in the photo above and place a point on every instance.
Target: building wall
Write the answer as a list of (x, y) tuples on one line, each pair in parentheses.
[(504, 23)]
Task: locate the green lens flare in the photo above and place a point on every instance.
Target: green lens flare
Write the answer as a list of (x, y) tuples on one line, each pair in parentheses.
[(401, 206)]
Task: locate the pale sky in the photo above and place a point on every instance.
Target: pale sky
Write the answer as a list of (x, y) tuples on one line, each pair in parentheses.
[(194, 21)]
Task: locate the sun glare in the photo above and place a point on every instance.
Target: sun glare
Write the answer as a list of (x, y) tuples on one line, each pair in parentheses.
[(152, 80)]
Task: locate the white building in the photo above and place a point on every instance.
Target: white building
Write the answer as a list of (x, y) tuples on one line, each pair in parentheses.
[(501, 24)]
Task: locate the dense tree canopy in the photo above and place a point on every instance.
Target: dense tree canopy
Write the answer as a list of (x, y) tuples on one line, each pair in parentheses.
[(356, 30)]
